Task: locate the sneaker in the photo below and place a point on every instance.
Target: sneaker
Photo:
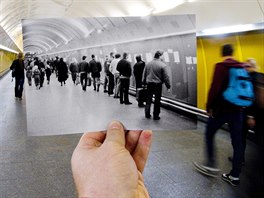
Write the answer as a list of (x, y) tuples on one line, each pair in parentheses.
[(210, 168), (234, 181), (208, 171), (128, 103), (156, 118)]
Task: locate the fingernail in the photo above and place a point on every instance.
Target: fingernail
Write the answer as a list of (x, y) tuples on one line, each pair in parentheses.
[(115, 125)]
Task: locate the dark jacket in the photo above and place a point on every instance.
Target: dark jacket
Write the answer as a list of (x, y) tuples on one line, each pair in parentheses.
[(220, 81), (73, 68), (138, 70), (124, 68), (96, 68), (62, 71), (19, 67), (83, 67)]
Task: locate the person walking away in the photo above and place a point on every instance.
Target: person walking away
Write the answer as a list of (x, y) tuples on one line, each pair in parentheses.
[(106, 70), (221, 110), (36, 76), (124, 68), (138, 71), (254, 121), (48, 73), (74, 70), (96, 68), (116, 74), (42, 72), (154, 75), (19, 74), (84, 69), (29, 75), (111, 82), (62, 72)]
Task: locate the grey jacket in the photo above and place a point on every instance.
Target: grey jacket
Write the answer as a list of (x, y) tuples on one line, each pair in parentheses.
[(156, 72)]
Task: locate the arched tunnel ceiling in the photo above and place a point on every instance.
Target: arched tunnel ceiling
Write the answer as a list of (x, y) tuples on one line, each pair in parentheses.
[(63, 34), (209, 14)]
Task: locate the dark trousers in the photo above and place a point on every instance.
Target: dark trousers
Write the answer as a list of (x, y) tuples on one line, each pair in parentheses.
[(235, 123), (48, 78), (42, 76), (156, 89), (19, 83), (111, 83), (83, 79), (139, 85), (124, 86), (105, 82)]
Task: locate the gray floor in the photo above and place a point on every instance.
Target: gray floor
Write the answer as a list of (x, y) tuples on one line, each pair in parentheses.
[(68, 109), (39, 166)]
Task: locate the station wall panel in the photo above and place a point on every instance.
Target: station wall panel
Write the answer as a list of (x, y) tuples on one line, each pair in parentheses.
[(246, 45), (179, 56), (6, 59)]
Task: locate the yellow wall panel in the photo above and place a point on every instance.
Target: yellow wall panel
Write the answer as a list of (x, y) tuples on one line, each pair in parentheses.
[(250, 44), (6, 59)]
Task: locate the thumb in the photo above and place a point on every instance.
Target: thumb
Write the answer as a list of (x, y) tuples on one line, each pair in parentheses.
[(115, 133)]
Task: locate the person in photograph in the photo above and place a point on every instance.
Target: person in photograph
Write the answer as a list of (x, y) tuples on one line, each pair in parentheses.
[(106, 71), (96, 68), (48, 71), (62, 72), (84, 70), (154, 75), (116, 74), (111, 83), (29, 75), (74, 69), (125, 71), (42, 72), (138, 71)]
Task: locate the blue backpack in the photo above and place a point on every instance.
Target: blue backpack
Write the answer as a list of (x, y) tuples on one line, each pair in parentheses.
[(240, 90)]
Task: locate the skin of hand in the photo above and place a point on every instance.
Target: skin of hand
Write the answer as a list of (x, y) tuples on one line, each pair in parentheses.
[(111, 164), (251, 122)]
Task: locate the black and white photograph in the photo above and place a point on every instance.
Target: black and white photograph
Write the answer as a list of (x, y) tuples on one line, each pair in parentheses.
[(99, 70)]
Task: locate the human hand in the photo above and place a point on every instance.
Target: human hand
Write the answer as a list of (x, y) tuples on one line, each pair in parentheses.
[(251, 122), (111, 164), (169, 90)]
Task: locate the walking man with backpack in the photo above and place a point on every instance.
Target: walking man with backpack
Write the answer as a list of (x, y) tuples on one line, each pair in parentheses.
[(225, 105)]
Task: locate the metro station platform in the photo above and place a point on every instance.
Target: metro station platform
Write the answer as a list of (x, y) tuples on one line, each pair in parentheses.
[(39, 134)]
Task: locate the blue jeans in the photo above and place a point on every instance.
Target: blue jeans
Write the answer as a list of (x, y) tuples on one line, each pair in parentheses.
[(19, 87), (235, 123)]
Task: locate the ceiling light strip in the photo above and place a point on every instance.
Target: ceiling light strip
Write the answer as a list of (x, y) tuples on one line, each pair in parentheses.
[(2, 47)]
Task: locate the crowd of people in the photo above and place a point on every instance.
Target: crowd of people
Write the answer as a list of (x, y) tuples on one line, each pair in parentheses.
[(118, 72)]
